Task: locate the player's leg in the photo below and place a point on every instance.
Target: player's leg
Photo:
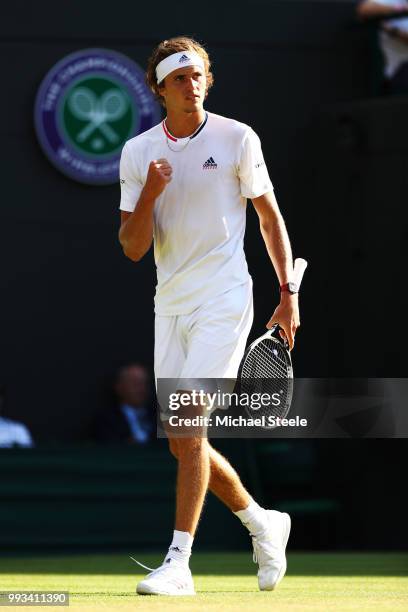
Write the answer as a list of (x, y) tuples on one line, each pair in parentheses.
[(173, 577), (225, 484), (207, 342), (224, 481), (217, 344), (269, 529), (193, 475)]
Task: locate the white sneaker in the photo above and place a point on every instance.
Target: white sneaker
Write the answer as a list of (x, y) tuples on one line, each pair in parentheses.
[(269, 550), (171, 578)]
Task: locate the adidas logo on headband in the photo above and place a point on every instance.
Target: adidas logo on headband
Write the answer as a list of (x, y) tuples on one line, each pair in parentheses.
[(175, 61)]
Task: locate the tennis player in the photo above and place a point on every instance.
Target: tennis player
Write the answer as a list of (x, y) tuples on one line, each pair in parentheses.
[(185, 184)]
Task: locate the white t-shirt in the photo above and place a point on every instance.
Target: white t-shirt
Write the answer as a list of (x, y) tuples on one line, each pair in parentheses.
[(395, 50), (199, 219), (13, 433)]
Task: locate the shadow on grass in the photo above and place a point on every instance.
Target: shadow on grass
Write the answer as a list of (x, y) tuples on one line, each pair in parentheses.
[(221, 563)]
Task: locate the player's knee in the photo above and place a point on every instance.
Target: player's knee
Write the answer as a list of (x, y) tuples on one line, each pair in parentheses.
[(190, 446)]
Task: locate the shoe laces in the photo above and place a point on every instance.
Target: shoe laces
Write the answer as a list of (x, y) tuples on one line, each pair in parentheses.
[(256, 547), (168, 568), (262, 549), (150, 569)]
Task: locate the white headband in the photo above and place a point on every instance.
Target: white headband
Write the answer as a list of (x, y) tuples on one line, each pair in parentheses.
[(177, 60)]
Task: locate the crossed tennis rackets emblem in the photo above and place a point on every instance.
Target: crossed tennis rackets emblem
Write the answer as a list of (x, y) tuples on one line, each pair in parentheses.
[(98, 112)]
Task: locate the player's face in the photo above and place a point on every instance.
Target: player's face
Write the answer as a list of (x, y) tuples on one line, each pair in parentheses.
[(184, 89), (132, 386)]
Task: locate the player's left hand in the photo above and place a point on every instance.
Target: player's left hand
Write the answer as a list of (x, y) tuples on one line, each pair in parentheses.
[(287, 315)]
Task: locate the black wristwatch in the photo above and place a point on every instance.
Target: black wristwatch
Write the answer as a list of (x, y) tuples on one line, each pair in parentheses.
[(290, 288)]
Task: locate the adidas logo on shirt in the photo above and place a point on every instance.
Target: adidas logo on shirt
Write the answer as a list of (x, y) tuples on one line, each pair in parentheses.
[(210, 164), (184, 58)]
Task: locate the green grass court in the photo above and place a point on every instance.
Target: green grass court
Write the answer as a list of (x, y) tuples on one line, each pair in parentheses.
[(318, 581)]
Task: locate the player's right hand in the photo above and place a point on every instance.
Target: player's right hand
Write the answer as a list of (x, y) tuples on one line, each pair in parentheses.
[(158, 175)]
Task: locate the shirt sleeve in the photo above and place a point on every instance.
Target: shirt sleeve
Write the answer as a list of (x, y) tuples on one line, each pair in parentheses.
[(130, 183), (252, 171), (391, 3), (22, 436)]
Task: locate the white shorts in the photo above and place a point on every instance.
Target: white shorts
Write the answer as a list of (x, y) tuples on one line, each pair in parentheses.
[(208, 342)]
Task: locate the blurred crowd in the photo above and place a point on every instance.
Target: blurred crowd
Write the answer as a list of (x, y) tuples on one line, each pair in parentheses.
[(12, 433), (126, 416)]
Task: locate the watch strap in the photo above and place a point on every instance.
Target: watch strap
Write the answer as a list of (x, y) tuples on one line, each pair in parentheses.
[(289, 287)]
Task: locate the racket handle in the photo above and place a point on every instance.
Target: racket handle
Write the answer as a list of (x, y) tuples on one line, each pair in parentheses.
[(299, 270), (270, 334)]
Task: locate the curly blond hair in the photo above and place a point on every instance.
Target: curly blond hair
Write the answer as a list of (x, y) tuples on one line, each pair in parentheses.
[(168, 47)]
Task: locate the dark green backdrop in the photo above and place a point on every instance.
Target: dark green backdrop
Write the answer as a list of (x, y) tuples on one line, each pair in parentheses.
[(302, 74)]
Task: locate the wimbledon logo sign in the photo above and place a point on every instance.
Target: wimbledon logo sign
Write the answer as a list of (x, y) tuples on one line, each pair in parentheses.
[(88, 105)]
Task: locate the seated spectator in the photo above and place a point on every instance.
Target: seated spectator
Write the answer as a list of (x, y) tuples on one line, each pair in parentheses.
[(12, 433), (393, 40), (132, 418)]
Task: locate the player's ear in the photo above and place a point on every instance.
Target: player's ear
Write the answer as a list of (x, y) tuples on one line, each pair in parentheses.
[(208, 83), (161, 89)]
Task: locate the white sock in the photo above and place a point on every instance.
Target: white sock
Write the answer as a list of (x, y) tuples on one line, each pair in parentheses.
[(254, 518), (180, 548)]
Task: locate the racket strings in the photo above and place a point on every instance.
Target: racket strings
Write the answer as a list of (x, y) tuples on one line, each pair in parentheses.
[(264, 360), (279, 354), (267, 370)]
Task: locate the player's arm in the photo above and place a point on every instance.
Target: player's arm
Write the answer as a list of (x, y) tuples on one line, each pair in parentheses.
[(396, 32), (136, 229), (371, 8), (277, 242)]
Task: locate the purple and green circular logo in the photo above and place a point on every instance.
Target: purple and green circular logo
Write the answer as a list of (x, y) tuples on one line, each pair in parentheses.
[(87, 106)]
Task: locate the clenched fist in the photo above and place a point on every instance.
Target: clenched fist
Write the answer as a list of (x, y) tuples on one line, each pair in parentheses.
[(158, 175)]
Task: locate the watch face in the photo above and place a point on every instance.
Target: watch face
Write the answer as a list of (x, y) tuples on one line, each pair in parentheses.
[(292, 287)]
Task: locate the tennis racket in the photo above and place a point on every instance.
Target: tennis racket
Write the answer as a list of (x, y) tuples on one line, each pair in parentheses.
[(266, 368)]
